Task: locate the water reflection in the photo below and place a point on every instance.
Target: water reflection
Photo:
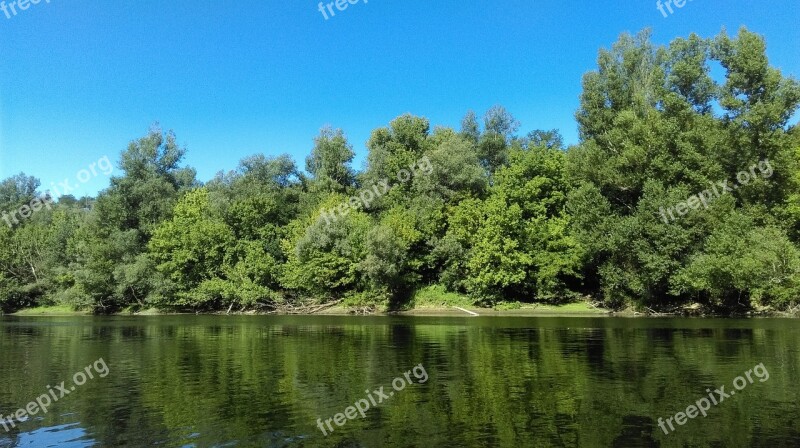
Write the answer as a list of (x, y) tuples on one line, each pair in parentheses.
[(263, 381)]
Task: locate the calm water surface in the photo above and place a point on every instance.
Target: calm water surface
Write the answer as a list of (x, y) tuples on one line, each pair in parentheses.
[(225, 381)]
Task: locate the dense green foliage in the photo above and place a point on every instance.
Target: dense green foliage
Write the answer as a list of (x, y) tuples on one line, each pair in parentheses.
[(481, 211)]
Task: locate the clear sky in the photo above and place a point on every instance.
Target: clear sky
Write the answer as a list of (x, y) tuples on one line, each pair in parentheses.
[(79, 79)]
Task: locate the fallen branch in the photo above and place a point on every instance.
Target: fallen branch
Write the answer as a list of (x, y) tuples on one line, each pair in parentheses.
[(305, 308)]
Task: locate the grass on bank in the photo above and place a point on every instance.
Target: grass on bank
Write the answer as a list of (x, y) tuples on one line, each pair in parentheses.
[(51, 310), (567, 308), (436, 297)]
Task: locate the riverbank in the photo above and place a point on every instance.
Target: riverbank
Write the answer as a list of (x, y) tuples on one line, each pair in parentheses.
[(527, 310), (446, 308), (532, 310)]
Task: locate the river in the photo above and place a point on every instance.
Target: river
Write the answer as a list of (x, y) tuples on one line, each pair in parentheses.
[(398, 381)]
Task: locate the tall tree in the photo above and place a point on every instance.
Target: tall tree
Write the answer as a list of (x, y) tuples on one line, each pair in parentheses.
[(329, 162), (111, 265), (499, 129), (651, 140)]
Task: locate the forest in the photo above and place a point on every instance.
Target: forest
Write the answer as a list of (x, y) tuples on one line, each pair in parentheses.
[(486, 211)]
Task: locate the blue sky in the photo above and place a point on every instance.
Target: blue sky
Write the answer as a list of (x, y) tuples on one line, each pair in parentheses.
[(79, 79)]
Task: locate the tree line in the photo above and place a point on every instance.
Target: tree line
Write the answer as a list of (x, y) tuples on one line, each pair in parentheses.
[(499, 217)]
